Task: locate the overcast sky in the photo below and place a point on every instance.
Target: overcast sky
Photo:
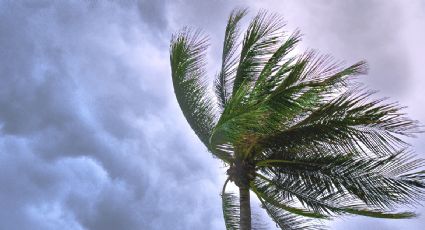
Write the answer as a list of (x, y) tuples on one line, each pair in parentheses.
[(91, 135)]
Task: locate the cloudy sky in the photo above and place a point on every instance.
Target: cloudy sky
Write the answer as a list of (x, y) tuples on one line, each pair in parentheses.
[(91, 136)]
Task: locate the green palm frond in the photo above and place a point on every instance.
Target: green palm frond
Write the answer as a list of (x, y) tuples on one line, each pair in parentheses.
[(229, 57), (348, 184), (349, 122), (261, 40), (187, 57), (273, 196), (306, 85), (288, 221), (327, 203), (274, 106), (231, 211), (230, 203), (292, 98), (273, 71)]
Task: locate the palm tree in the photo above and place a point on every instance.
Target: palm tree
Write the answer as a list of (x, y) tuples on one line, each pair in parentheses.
[(295, 130)]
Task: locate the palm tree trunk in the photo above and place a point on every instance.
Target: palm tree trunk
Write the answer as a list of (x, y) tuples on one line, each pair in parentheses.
[(245, 208)]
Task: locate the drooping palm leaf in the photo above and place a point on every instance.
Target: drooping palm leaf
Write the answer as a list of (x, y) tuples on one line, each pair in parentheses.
[(273, 196), (230, 205), (288, 221), (346, 183), (187, 57)]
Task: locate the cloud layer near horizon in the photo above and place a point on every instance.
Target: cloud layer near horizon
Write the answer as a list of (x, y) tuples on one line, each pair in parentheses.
[(91, 136)]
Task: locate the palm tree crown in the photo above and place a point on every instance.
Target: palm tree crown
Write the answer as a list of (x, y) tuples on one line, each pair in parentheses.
[(295, 129)]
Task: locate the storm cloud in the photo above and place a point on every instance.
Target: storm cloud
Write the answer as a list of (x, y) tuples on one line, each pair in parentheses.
[(91, 136)]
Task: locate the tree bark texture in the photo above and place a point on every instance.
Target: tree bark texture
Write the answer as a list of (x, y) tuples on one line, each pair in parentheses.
[(245, 209)]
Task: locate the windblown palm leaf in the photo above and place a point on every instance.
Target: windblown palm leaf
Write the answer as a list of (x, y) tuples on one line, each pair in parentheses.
[(187, 67), (229, 58), (296, 130)]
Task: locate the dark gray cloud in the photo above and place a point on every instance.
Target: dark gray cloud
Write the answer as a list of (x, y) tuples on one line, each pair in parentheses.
[(155, 13), (89, 139), (91, 136)]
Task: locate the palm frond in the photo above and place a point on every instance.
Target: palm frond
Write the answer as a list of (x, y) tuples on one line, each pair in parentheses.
[(231, 208), (187, 57), (328, 203), (269, 77), (288, 221), (229, 57), (302, 87), (295, 94), (272, 196), (261, 40), (275, 107), (230, 203), (348, 183), (351, 123)]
